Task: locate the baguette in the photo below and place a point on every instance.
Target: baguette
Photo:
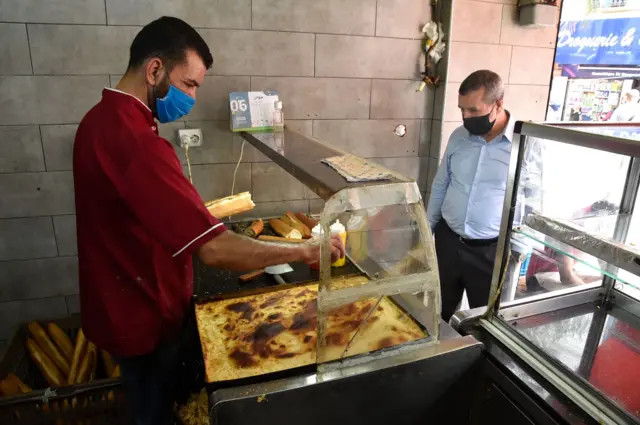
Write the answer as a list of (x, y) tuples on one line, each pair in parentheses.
[(230, 205), (284, 230), (61, 339), (87, 364), (255, 229), (116, 372), (108, 362), (78, 354), (266, 238), (50, 349), (308, 221), (49, 370), (12, 385), (290, 219), (251, 275)]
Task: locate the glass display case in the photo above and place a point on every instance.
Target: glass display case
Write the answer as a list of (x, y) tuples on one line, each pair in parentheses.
[(388, 240), (566, 282)]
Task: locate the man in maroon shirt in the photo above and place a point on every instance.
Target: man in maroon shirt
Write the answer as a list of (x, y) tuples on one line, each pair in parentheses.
[(139, 220)]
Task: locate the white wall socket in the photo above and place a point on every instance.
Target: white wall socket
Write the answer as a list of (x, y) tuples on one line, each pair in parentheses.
[(191, 137)]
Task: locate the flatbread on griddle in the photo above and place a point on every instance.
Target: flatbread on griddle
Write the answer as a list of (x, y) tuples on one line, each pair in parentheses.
[(275, 331)]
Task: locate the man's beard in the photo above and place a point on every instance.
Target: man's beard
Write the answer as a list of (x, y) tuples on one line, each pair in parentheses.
[(158, 91)]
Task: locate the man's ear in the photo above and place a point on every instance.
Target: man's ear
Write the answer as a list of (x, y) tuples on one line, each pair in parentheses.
[(500, 104), (154, 71)]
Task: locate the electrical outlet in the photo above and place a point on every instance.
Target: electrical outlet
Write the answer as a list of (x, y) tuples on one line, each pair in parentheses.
[(191, 137)]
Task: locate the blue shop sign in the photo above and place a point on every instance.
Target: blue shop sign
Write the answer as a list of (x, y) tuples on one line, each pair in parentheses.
[(599, 42)]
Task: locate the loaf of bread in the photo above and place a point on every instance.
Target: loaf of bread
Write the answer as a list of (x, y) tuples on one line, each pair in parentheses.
[(225, 207), (78, 355), (12, 385), (284, 230), (62, 340), (49, 348), (108, 362), (49, 370)]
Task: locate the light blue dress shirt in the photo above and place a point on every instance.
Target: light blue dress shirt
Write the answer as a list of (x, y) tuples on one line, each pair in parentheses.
[(469, 186)]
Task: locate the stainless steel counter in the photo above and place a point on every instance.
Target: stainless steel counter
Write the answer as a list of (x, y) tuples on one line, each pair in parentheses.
[(413, 384)]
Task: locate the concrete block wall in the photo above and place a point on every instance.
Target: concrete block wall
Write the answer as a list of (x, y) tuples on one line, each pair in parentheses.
[(346, 70), (485, 34)]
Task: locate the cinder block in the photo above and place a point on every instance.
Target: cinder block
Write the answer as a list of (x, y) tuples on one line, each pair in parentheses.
[(29, 279), (219, 146), (402, 18), (53, 11), (468, 14), (73, 49), (14, 49), (319, 98), (260, 52), (66, 236), (271, 183), (527, 103), (48, 100), (301, 126), (16, 313), (22, 150), (24, 238), (309, 194), (363, 57), (316, 206), (370, 138), (235, 14), (514, 34), (212, 101), (399, 99), (273, 209), (467, 57), (57, 142), (531, 65), (169, 131), (214, 181), (425, 138), (73, 304), (407, 167), (355, 17), (36, 194)]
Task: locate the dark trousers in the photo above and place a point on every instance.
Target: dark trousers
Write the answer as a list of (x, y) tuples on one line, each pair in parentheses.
[(148, 382), (462, 266)]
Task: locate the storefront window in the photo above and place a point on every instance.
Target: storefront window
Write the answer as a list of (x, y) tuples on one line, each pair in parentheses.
[(596, 73)]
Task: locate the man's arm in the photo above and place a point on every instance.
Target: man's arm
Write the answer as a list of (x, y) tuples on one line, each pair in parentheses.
[(230, 251), (439, 190)]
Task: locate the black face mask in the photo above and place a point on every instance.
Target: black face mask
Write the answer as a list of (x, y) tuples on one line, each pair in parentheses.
[(479, 126)]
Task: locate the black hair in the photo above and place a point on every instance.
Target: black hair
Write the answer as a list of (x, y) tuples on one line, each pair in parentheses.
[(489, 80), (169, 39)]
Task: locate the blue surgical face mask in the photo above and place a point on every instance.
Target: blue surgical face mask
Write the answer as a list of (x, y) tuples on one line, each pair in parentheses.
[(174, 105)]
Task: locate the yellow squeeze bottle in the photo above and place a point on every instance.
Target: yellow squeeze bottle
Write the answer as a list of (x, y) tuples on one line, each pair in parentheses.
[(338, 229)]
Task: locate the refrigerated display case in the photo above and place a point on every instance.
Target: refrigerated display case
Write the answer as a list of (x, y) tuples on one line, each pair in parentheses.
[(574, 317)]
